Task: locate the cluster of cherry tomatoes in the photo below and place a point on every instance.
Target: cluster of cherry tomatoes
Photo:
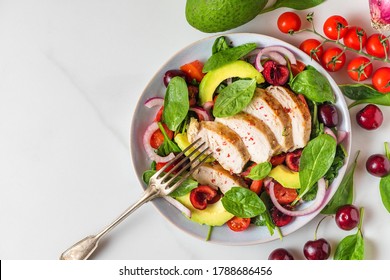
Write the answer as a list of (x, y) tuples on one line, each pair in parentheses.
[(342, 38)]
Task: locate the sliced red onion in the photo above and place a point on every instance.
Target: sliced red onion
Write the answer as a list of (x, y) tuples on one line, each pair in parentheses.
[(330, 132), (202, 113), (341, 136), (178, 205), (208, 106), (278, 49), (149, 149), (315, 205), (154, 101)]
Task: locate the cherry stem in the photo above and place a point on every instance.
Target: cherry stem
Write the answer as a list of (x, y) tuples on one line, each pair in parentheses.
[(387, 150), (361, 218), (318, 225)]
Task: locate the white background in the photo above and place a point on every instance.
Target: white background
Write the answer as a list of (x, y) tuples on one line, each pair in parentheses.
[(71, 73)]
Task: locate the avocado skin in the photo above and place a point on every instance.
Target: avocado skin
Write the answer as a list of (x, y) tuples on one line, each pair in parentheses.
[(212, 16)]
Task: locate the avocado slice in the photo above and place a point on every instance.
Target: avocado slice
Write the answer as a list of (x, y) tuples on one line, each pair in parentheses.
[(213, 78), (214, 215), (181, 140), (285, 176)]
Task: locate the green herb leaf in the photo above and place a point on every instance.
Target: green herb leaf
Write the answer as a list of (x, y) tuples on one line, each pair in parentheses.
[(168, 146), (338, 162), (260, 171), (316, 159), (350, 248), (313, 85), (363, 93), (344, 193), (176, 103), (227, 55), (233, 98), (243, 203), (384, 189), (220, 44)]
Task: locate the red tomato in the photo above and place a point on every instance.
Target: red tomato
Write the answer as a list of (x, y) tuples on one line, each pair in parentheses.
[(194, 70), (333, 59), (377, 45), (335, 27), (303, 99), (256, 186), (355, 38), (160, 165), (278, 159), (297, 68), (360, 68), (381, 79), (284, 195), (201, 196), (159, 114), (157, 137), (288, 22), (238, 224), (313, 48)]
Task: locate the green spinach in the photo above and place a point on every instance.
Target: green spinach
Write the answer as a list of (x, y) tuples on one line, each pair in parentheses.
[(227, 55), (293, 4), (363, 93), (338, 162), (243, 203), (220, 44), (260, 171), (344, 193), (313, 85), (384, 185), (316, 159), (176, 103), (168, 146), (233, 98)]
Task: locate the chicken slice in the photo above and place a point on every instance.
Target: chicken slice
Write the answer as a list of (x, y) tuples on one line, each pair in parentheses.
[(215, 176), (227, 146), (299, 114), (268, 109), (258, 138)]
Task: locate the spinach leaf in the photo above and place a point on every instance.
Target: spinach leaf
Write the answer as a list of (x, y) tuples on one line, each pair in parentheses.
[(227, 55), (363, 93), (220, 44), (243, 203), (260, 171), (313, 85), (316, 159), (338, 162), (344, 193), (384, 188), (184, 188), (387, 150), (265, 219), (176, 103), (317, 127), (167, 146), (233, 98), (294, 4)]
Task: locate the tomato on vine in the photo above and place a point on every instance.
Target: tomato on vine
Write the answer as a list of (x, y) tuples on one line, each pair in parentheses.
[(288, 22), (355, 38), (335, 27), (377, 45), (313, 48), (360, 68), (381, 79), (333, 59)]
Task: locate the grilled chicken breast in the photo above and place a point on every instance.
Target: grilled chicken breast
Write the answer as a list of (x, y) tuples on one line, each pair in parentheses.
[(268, 109), (215, 176), (227, 146), (258, 138), (298, 112)]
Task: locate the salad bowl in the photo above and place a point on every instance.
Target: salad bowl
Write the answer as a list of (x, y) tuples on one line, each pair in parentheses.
[(143, 116)]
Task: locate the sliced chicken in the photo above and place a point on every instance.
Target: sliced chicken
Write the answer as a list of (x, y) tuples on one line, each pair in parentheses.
[(227, 146), (258, 138), (268, 109), (299, 114), (215, 176)]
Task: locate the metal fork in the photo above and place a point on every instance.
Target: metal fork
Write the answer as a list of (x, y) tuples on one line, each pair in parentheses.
[(160, 184)]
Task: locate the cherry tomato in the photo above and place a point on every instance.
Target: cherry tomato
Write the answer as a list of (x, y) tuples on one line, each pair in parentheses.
[(256, 186), (333, 59), (201, 195), (157, 137), (355, 38), (335, 27), (160, 165), (284, 195), (278, 159), (193, 70), (288, 22), (297, 68), (313, 48), (381, 79), (377, 45), (360, 68), (158, 117), (238, 224)]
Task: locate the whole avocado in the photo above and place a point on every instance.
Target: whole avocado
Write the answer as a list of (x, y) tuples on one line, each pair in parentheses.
[(221, 15)]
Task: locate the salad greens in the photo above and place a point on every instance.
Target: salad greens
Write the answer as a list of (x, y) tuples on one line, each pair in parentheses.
[(168, 146), (243, 203), (384, 185), (220, 44), (363, 93), (260, 171), (293, 4)]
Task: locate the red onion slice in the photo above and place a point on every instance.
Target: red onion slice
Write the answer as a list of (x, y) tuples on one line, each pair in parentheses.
[(330, 132), (149, 149), (316, 204), (203, 115), (178, 205), (278, 49), (341, 136), (154, 101)]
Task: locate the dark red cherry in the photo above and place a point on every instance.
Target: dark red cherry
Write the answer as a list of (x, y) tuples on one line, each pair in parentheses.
[(370, 117), (201, 196), (280, 254), (347, 217), (292, 160), (280, 219), (378, 165), (327, 114), (275, 74), (318, 249)]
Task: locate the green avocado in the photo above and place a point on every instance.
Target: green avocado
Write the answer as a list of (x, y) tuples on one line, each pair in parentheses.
[(213, 78), (214, 215), (220, 15), (286, 177)]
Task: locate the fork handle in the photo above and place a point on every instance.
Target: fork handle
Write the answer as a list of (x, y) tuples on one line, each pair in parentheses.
[(83, 249)]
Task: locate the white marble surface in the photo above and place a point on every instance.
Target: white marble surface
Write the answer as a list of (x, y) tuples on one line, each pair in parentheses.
[(70, 75)]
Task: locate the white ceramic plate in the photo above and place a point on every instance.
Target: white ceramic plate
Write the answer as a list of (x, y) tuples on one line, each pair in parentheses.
[(143, 116)]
